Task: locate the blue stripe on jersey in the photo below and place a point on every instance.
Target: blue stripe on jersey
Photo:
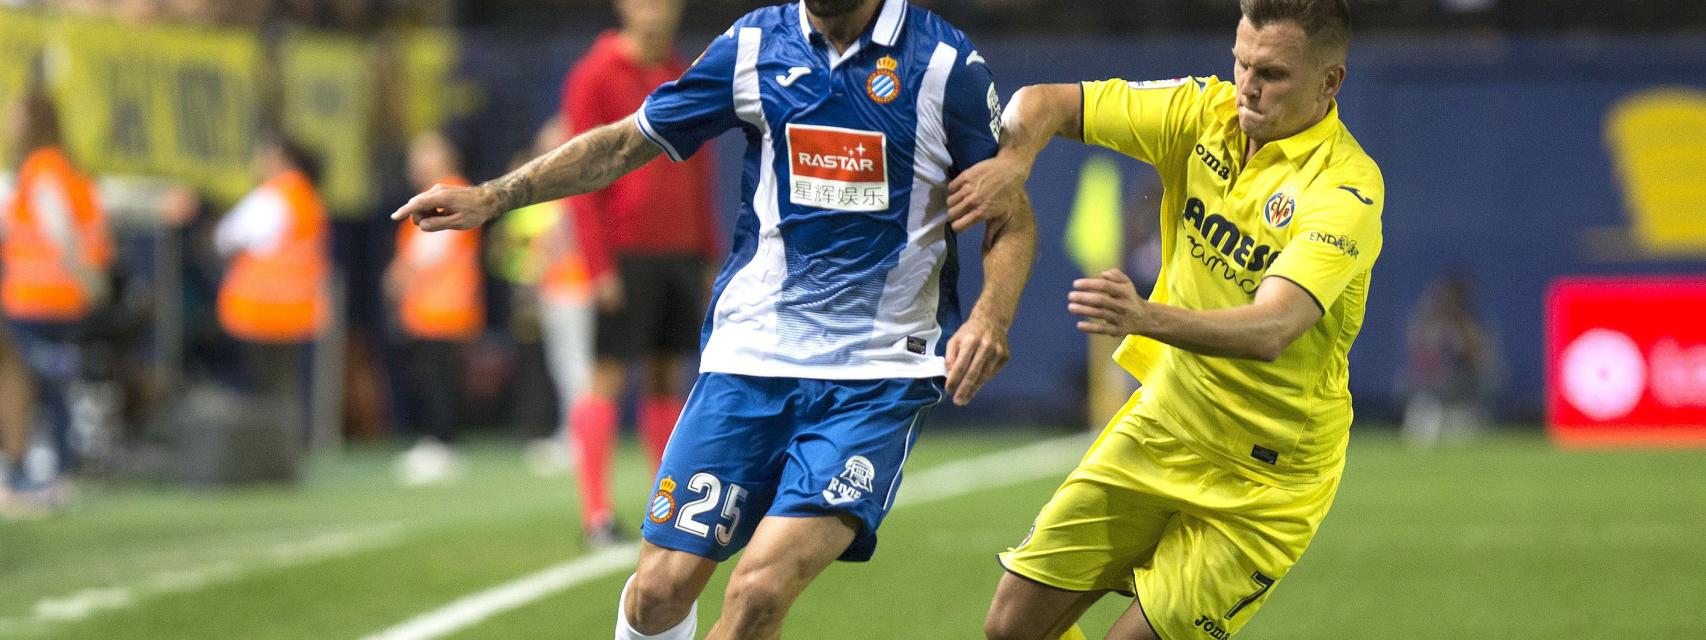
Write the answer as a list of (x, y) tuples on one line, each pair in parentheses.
[(823, 279)]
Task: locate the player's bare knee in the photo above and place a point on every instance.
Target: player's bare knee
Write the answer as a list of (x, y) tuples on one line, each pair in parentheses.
[(658, 600), (1002, 625), (758, 596), (756, 588)]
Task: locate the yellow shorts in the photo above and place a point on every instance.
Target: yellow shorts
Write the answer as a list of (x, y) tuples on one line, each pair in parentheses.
[(1199, 545)]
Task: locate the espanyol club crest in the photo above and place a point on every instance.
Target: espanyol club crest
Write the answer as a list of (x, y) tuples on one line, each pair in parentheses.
[(1279, 209), (662, 507), (884, 86)]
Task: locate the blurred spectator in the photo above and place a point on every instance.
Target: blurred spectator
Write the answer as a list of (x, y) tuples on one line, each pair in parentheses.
[(1453, 365), (1010, 16), (56, 253), (273, 297), (1142, 247), (436, 284), (543, 255), (651, 286), (19, 498)]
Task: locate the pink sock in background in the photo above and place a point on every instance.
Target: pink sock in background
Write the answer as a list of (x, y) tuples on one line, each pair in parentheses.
[(592, 426), (657, 420)]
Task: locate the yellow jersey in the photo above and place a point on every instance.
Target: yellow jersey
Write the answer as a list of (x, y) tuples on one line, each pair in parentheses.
[(1305, 208)]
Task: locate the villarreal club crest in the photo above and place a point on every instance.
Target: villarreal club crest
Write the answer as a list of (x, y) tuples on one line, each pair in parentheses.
[(1279, 209), (884, 85)]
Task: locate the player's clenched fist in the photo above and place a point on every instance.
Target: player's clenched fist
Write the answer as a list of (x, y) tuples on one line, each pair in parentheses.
[(975, 353), (442, 207), (1108, 304)]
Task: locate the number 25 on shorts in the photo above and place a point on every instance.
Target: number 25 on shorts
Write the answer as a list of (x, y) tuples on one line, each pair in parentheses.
[(688, 519)]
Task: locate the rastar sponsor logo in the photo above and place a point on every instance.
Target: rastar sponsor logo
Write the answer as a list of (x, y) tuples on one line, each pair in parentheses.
[(839, 163), (835, 168)]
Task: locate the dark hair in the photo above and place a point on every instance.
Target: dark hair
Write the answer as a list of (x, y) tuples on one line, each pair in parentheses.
[(41, 123), (295, 154), (300, 157), (1327, 23)]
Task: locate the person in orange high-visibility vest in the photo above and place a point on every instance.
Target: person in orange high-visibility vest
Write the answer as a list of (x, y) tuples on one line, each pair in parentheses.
[(273, 298), (55, 257), (437, 287)]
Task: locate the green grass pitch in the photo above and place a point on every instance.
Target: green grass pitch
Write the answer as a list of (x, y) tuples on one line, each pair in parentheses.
[(1501, 538)]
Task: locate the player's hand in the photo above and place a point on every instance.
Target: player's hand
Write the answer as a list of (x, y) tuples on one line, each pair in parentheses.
[(987, 192), (608, 293), (443, 207), (975, 353), (1108, 304)]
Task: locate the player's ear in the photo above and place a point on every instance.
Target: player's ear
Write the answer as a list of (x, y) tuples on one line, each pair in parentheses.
[(1333, 80)]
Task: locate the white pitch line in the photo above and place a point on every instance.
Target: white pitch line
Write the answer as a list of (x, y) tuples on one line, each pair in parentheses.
[(86, 602), (473, 609), (946, 481)]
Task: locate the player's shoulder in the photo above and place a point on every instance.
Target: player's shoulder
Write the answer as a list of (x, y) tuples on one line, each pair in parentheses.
[(1349, 168), (1189, 99), (1215, 91), (1210, 90), (769, 21), (926, 26), (769, 18)]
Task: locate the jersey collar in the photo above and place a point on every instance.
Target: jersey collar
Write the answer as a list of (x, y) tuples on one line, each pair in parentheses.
[(887, 30), (1306, 140)]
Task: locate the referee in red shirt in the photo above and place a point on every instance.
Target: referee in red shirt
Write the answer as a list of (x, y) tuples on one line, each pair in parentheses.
[(650, 244)]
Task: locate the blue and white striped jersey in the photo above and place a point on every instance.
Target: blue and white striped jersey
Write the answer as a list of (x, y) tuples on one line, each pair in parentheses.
[(842, 264)]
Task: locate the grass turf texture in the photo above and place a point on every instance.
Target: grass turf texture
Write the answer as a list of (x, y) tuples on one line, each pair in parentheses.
[(1503, 538)]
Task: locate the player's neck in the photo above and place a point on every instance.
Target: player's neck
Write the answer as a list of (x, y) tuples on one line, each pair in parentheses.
[(843, 30), (1255, 145), (644, 48)]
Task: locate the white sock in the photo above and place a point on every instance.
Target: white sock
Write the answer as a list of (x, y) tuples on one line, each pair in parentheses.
[(683, 630)]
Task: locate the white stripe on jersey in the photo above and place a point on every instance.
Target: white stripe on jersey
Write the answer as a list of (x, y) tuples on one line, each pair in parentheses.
[(746, 336), (744, 323), (912, 292), (647, 131)]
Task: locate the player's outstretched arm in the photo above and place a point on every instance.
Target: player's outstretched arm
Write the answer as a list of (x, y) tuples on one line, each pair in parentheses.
[(589, 162), (1037, 114), (1281, 312), (979, 349)]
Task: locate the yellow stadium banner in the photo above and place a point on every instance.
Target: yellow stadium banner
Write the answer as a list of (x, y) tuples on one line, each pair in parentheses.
[(327, 106), (173, 101), (186, 103), (1657, 143), (21, 45), (428, 60)]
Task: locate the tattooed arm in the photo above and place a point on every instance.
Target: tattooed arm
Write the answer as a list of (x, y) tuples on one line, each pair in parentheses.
[(589, 162)]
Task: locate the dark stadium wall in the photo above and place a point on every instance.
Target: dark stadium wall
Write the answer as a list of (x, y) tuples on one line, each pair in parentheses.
[(1493, 151)]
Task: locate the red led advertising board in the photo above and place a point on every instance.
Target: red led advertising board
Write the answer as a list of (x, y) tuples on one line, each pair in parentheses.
[(1626, 361)]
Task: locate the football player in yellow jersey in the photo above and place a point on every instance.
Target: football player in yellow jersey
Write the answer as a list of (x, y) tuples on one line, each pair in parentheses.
[(1203, 492)]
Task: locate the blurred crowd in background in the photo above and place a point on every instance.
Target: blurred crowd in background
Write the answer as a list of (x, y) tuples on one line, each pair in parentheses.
[(200, 132), (1027, 16)]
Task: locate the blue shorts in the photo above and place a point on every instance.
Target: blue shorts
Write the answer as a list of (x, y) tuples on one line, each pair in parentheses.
[(748, 447)]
